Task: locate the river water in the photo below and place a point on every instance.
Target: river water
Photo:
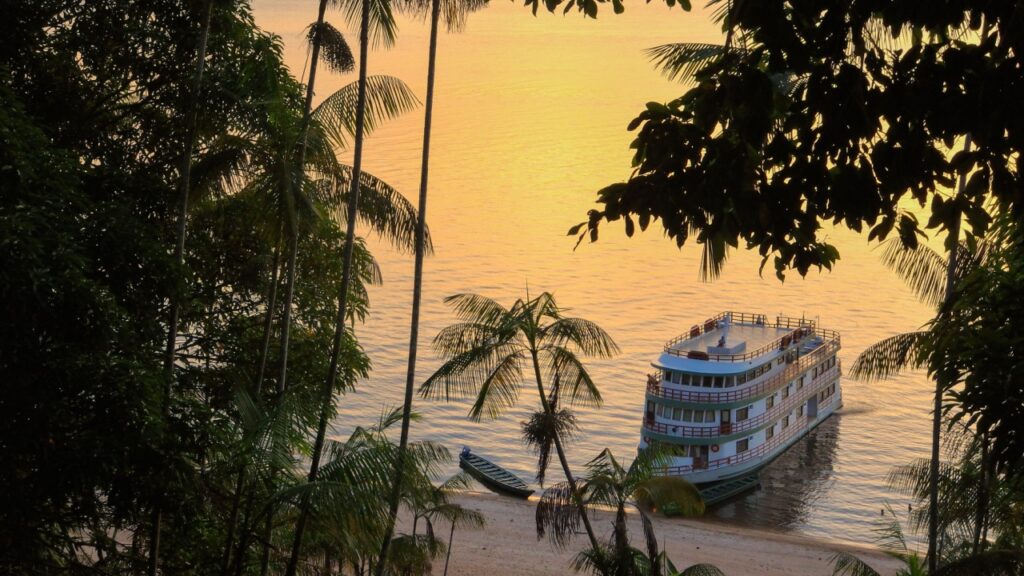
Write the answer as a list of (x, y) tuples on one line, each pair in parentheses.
[(529, 122)]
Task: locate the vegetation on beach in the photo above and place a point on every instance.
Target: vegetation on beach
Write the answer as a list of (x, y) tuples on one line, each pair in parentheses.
[(184, 279)]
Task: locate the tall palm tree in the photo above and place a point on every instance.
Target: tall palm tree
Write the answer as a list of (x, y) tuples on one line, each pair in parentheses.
[(487, 352), (609, 484), (321, 33), (455, 13), (261, 164), (184, 182), (384, 26)]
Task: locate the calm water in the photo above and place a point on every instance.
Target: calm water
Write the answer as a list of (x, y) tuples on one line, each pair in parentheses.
[(529, 122)]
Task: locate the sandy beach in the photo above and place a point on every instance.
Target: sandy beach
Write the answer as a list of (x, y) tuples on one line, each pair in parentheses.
[(508, 545)]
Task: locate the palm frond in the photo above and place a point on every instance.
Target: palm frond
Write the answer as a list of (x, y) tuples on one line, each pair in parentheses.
[(387, 97), (381, 207), (499, 390), (651, 542), (462, 337), (493, 373), (334, 50), (921, 268), (454, 13), (670, 494), (557, 515), (681, 61), (574, 380), (221, 167), (477, 309), (891, 356), (383, 29), (846, 564), (584, 335)]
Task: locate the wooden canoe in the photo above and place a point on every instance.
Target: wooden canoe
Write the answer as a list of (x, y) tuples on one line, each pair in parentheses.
[(493, 476)]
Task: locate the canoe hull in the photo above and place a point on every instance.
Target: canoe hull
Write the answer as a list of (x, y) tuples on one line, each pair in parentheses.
[(492, 483)]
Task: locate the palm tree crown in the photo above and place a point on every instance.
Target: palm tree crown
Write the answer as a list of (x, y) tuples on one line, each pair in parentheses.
[(488, 350)]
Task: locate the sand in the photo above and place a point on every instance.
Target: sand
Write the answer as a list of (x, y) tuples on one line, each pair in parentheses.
[(508, 545)]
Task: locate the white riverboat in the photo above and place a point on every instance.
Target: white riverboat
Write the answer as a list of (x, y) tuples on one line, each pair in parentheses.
[(733, 393)]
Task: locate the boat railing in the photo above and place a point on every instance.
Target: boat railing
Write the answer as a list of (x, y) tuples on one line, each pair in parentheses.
[(799, 328), (792, 370), (730, 428), (756, 452)]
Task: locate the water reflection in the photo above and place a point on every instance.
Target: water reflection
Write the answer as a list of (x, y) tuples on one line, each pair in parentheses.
[(791, 485)]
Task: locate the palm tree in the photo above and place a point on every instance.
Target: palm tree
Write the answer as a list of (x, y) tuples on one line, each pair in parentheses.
[(430, 505), (184, 182), (384, 25), (608, 484), (261, 164), (487, 352), (455, 12), (321, 33), (934, 281)]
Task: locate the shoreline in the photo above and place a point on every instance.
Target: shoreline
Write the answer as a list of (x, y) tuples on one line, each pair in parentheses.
[(508, 544)]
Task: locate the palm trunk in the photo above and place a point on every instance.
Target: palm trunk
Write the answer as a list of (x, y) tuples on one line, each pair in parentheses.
[(268, 320), (417, 293), (268, 535), (327, 392), (942, 381), (236, 505), (981, 505), (293, 247), (448, 556), (184, 183), (268, 324), (561, 455)]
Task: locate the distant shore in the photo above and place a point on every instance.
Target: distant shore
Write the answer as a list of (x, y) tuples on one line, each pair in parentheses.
[(508, 545)]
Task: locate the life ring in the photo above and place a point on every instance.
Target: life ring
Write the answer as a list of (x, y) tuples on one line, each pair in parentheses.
[(714, 447)]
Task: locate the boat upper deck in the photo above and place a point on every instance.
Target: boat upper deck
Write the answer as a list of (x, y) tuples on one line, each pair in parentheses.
[(737, 337)]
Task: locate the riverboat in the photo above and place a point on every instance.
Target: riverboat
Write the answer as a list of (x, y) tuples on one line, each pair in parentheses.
[(733, 393)]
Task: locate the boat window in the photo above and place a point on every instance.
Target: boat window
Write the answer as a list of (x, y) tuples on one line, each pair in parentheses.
[(769, 432), (668, 375), (661, 410), (688, 415), (719, 381), (709, 416), (741, 378), (698, 416), (742, 414), (769, 401), (678, 377), (730, 381), (742, 445), (780, 361), (785, 422), (800, 410), (677, 413), (785, 391)]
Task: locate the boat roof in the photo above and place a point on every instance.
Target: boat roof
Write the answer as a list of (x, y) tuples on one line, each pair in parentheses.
[(731, 342), (755, 336)]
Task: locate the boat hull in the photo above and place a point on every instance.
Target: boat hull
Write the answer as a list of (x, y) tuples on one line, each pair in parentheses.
[(755, 464), (492, 483)]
